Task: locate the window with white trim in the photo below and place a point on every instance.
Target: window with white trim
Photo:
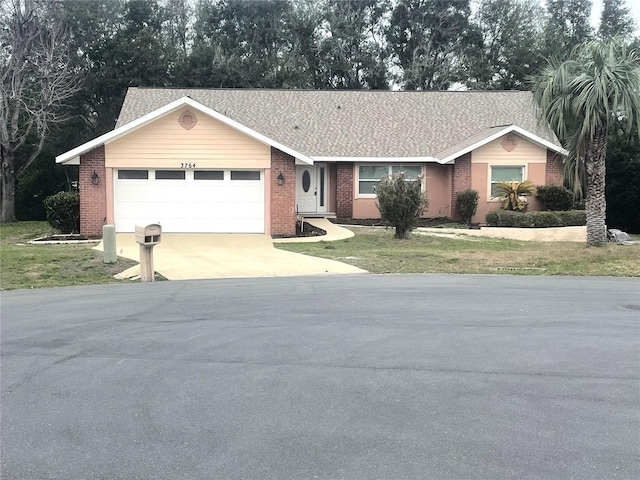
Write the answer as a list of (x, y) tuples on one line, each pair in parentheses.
[(369, 175), (500, 173)]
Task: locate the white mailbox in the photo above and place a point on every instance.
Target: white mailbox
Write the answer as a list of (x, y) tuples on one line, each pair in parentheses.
[(148, 234)]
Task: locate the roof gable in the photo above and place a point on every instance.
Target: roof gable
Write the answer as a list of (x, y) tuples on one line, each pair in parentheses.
[(72, 156), (491, 134)]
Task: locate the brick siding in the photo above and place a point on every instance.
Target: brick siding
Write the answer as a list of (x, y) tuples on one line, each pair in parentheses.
[(283, 197), (93, 208), (461, 178), (344, 190), (553, 174)]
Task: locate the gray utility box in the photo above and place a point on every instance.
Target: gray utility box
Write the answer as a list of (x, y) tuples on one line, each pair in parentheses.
[(148, 234)]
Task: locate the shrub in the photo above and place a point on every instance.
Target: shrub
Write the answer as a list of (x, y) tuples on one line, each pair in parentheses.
[(572, 218), (505, 218), (510, 193), (401, 203), (467, 205), (63, 211), (554, 197)]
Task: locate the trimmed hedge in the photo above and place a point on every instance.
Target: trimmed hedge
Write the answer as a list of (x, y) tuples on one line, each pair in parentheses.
[(505, 218), (63, 211)]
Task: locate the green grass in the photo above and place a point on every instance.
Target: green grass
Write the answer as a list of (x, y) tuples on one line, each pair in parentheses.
[(375, 250), (36, 266)]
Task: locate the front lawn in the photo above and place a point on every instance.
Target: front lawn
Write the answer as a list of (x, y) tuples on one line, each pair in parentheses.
[(35, 266), (375, 250)]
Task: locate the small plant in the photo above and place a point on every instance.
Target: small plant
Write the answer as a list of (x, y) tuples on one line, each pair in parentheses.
[(467, 205), (63, 211), (554, 197), (401, 202), (511, 193)]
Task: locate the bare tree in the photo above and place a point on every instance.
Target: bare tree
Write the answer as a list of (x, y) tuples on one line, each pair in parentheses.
[(36, 80)]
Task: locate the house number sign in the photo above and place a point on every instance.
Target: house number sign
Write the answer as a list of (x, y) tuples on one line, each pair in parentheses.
[(187, 165)]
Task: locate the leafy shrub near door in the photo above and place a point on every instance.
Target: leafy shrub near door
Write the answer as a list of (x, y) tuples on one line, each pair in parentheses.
[(467, 205), (554, 197), (401, 202), (63, 211)]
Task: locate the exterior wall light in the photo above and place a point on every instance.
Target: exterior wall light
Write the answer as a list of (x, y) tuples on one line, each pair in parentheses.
[(95, 179), (280, 179)]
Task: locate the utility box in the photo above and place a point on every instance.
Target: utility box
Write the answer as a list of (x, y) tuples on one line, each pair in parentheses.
[(148, 234), (109, 251)]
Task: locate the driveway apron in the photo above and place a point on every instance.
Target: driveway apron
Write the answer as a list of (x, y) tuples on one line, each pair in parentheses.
[(199, 256)]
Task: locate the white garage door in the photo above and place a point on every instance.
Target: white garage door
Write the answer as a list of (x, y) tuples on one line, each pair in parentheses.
[(207, 201)]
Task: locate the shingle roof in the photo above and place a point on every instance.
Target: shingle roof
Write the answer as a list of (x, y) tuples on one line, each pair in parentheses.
[(347, 123)]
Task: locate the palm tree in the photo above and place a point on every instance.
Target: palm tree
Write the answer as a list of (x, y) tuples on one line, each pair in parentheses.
[(581, 98)]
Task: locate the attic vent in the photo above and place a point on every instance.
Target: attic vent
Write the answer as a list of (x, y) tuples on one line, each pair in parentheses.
[(296, 127), (509, 143), (338, 107), (187, 120)]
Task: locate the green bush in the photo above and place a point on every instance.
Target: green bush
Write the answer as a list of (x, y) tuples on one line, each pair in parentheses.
[(505, 218), (63, 211), (401, 203), (574, 218), (467, 205), (554, 197)]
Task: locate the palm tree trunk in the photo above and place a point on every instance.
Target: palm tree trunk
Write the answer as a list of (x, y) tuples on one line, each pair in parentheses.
[(596, 205)]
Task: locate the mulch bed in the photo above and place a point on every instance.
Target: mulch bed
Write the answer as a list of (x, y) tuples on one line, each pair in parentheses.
[(376, 222), (308, 230)]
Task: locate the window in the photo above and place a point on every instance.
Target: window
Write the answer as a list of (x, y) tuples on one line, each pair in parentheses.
[(369, 175), (170, 175), (133, 174), (245, 175), (208, 175), (505, 174)]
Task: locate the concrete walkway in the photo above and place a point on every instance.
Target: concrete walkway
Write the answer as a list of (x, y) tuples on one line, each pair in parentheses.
[(553, 234), (200, 256)]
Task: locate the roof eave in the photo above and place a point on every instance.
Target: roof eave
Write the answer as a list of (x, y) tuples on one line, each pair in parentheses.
[(376, 159), (72, 156)]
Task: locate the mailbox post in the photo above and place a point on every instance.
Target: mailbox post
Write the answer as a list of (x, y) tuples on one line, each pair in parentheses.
[(147, 236)]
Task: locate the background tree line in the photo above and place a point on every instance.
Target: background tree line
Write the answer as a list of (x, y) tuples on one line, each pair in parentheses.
[(319, 44)]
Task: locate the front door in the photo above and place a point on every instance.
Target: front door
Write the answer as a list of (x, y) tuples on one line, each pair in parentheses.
[(311, 188)]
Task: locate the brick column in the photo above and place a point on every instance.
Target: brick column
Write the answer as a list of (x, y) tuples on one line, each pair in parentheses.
[(460, 179), (283, 197), (553, 173), (93, 208), (344, 190)]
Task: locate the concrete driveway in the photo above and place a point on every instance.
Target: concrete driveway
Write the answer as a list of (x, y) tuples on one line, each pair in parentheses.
[(200, 256)]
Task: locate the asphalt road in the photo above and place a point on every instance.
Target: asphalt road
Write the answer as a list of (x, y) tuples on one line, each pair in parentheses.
[(340, 377)]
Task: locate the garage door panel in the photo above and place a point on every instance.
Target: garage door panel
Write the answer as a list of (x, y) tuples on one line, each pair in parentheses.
[(189, 205)]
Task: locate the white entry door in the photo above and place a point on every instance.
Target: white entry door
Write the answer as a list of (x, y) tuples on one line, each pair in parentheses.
[(311, 188)]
